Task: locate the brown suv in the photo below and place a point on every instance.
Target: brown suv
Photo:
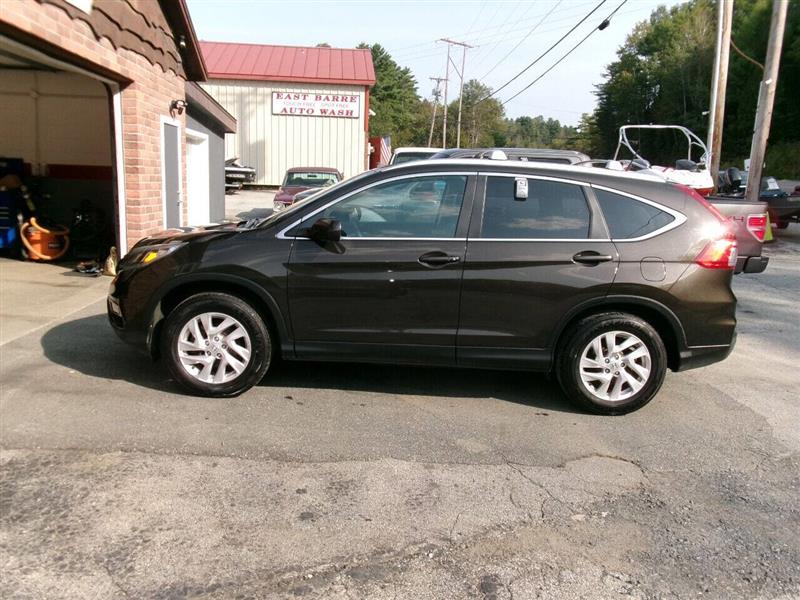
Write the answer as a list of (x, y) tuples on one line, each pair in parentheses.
[(606, 279)]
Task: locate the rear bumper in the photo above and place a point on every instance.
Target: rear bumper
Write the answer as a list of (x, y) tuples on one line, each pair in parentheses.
[(701, 356), (751, 264)]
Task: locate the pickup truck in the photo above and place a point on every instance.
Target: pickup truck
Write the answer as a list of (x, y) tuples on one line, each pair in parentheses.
[(750, 226)]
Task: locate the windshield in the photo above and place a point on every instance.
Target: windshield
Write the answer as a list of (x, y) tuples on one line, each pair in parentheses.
[(293, 208), (310, 179), (411, 156)]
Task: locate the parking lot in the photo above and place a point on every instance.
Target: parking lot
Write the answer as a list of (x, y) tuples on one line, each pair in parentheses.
[(358, 481)]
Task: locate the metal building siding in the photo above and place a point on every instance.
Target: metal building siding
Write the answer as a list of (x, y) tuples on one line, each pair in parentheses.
[(274, 143)]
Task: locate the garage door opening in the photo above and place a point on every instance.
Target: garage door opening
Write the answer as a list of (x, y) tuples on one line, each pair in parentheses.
[(56, 154)]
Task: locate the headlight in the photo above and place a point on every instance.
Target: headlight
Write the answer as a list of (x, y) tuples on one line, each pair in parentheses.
[(150, 253)]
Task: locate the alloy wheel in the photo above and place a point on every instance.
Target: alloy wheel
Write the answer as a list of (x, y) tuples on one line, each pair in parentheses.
[(615, 366), (214, 347)]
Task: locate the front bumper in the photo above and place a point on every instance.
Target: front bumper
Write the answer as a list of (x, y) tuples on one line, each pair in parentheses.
[(132, 305)]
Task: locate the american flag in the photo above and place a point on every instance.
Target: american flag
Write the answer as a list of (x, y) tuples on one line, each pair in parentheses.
[(386, 150), (381, 151)]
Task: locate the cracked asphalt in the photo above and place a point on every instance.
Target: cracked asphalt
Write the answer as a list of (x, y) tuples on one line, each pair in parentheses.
[(353, 481)]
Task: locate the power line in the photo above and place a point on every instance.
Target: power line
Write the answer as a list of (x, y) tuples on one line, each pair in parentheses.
[(478, 16), (423, 54), (438, 81), (545, 53), (483, 53), (482, 42), (527, 35), (464, 48), (410, 48), (600, 27)]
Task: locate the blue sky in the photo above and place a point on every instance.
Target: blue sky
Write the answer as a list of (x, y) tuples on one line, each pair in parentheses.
[(508, 35)]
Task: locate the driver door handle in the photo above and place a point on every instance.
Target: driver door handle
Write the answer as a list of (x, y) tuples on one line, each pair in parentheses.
[(437, 259)]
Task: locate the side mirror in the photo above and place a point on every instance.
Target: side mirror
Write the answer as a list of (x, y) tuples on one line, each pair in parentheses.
[(325, 230)]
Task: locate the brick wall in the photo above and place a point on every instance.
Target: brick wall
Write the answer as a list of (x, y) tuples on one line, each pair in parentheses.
[(144, 102)]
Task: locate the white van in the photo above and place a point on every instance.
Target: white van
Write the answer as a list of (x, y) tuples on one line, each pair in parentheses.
[(404, 155)]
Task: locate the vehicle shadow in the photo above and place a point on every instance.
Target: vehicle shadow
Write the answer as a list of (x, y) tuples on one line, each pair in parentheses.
[(528, 389), (89, 346)]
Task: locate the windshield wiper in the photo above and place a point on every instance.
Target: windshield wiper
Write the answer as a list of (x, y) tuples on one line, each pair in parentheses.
[(250, 223)]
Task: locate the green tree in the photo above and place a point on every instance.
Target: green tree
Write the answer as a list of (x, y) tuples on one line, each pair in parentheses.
[(663, 75), (482, 122), (393, 99), (751, 21)]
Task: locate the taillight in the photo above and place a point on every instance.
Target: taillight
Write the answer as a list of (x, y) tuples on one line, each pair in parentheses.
[(757, 225), (719, 254), (705, 191)]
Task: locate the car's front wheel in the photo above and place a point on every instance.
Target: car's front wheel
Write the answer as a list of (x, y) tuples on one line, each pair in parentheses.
[(611, 363), (216, 344)]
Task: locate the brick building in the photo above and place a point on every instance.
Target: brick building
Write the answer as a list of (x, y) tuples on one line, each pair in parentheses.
[(91, 98)]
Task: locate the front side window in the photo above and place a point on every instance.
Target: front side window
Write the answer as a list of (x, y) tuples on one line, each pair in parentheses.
[(628, 218), (418, 207), (552, 210)]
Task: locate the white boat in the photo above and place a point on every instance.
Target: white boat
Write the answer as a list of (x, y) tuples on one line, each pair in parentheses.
[(693, 174)]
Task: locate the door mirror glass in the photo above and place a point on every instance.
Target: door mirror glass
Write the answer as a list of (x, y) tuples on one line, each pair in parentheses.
[(325, 230)]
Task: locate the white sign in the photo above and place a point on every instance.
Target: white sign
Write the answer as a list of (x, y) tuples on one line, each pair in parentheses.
[(316, 105)]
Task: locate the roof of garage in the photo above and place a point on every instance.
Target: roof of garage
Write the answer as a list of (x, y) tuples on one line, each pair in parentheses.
[(200, 101), (258, 62)]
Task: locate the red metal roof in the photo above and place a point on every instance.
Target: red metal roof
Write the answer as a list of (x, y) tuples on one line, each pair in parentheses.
[(346, 66)]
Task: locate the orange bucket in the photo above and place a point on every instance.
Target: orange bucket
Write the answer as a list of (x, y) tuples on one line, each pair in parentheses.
[(44, 244)]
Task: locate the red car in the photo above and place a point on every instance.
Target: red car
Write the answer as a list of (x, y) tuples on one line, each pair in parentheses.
[(299, 179)]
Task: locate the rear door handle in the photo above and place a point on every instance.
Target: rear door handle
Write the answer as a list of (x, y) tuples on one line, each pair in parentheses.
[(437, 259), (590, 257)]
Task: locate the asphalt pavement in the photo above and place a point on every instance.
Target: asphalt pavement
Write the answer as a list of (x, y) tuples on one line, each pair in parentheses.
[(354, 481)]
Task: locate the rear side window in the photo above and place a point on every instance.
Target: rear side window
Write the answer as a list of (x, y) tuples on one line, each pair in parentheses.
[(552, 210), (628, 218)]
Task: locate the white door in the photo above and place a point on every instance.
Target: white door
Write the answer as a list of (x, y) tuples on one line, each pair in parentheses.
[(197, 178)]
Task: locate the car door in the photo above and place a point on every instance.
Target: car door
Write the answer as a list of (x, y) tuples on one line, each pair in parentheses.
[(529, 262), (389, 289)]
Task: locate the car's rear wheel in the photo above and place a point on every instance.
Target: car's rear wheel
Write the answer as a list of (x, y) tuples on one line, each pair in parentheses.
[(216, 345), (611, 363)]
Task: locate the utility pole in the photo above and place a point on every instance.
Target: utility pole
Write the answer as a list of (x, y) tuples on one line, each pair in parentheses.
[(446, 78), (438, 81), (464, 47), (718, 88), (766, 98)]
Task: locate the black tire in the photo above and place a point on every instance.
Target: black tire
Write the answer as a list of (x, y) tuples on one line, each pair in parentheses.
[(248, 318), (782, 224), (578, 338)]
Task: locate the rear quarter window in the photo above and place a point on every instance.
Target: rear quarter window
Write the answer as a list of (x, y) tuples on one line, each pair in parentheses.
[(628, 218)]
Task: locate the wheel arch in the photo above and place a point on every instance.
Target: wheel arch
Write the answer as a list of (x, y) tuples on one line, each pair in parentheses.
[(259, 299), (660, 317)]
